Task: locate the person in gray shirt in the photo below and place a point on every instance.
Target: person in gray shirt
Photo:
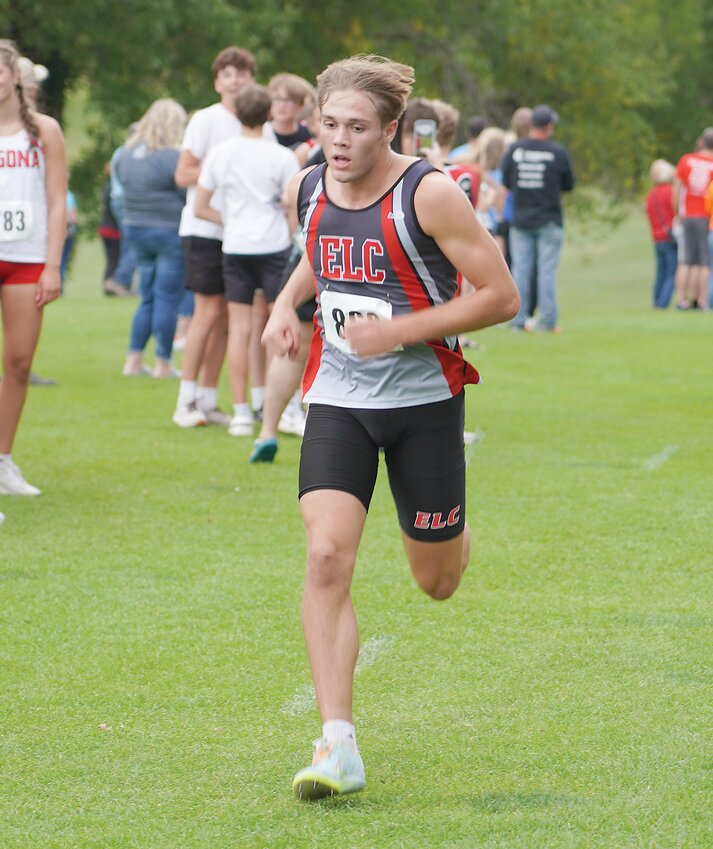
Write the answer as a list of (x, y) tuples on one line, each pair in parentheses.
[(152, 212)]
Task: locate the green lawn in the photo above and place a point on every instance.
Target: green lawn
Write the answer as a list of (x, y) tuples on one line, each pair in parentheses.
[(155, 691)]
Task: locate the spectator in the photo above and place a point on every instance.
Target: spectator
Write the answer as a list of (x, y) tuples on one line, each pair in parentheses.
[(709, 211), (109, 232), (289, 94), (251, 173), (694, 173), (72, 222), (197, 404), (659, 210), (537, 170), (467, 152), (120, 283), (153, 204)]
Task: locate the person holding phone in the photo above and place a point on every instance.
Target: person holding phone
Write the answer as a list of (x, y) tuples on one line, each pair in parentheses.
[(385, 234)]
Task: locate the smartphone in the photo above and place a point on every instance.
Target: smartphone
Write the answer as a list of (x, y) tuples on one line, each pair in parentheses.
[(424, 135)]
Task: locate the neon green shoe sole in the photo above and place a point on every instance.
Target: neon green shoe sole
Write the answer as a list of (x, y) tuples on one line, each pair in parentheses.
[(335, 770)]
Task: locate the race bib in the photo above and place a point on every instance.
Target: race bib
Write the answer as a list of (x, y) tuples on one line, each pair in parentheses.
[(15, 220), (339, 308)]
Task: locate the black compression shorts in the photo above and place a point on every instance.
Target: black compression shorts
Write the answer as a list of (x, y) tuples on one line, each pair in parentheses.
[(423, 449)]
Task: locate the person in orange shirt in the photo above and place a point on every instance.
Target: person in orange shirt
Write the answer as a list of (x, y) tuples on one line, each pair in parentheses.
[(694, 173), (709, 209)]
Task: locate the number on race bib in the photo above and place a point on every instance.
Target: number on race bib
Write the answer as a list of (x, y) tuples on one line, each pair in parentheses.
[(15, 221), (339, 308)]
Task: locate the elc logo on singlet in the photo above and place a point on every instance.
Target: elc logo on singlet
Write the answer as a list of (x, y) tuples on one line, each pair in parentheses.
[(19, 158), (435, 521), (338, 261)]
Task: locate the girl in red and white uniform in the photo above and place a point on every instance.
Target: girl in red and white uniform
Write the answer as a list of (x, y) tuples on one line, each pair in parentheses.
[(33, 193)]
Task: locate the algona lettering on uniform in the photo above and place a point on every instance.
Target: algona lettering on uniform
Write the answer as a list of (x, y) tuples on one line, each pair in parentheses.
[(337, 255), (435, 521), (19, 158)]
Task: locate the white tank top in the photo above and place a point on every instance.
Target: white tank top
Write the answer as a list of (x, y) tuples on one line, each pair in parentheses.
[(23, 200)]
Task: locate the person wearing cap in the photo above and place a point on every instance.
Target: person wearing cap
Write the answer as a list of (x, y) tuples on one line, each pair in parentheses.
[(537, 170), (694, 174), (31, 76)]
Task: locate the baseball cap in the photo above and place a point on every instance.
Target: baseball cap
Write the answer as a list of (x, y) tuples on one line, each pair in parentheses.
[(542, 115)]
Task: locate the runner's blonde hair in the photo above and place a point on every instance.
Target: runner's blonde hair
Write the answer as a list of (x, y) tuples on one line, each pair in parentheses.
[(386, 82)]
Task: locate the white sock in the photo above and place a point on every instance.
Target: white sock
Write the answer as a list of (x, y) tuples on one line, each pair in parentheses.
[(207, 397), (257, 397), (339, 731), (241, 410), (186, 392), (294, 405)]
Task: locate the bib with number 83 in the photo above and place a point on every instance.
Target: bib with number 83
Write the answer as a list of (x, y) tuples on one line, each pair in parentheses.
[(15, 220), (339, 308)]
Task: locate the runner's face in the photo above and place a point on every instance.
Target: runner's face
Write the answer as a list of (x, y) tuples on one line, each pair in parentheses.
[(229, 81), (352, 135)]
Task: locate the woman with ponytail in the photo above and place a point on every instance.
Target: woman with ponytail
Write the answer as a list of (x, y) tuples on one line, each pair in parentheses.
[(33, 192)]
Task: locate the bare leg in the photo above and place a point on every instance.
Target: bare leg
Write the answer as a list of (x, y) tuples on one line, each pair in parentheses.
[(682, 283), (21, 321), (258, 355), (699, 285), (216, 345), (283, 377), (333, 522), (206, 317), (439, 566), (239, 319)]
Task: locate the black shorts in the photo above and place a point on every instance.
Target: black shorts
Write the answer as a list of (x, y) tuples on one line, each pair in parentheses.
[(423, 449), (204, 265), (244, 274), (305, 312)]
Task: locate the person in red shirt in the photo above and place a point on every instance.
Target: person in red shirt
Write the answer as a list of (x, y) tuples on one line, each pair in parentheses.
[(659, 210), (694, 173)]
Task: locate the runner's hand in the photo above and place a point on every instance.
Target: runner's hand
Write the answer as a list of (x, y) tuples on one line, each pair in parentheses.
[(49, 286), (370, 338), (282, 332)]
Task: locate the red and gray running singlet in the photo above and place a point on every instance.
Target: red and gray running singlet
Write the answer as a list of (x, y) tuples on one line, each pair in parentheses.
[(376, 263)]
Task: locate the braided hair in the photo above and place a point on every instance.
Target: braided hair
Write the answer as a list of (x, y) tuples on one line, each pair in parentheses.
[(9, 57)]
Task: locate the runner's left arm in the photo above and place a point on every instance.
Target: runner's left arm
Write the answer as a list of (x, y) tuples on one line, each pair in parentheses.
[(445, 214), (49, 286)]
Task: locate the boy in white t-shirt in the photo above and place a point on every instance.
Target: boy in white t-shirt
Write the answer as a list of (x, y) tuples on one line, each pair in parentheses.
[(233, 69), (251, 174)]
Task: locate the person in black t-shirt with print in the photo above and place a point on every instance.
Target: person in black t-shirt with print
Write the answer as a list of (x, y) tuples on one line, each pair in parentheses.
[(537, 170)]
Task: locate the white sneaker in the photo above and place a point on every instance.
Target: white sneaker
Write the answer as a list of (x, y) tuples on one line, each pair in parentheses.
[(293, 421), (188, 415), (12, 482), (241, 424), (216, 416)]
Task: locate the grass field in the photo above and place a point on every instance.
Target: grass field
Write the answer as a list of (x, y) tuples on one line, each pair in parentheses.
[(155, 691)]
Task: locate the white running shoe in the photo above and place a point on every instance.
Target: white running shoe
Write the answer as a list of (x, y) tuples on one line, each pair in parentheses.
[(293, 421), (12, 482), (188, 415), (336, 768), (241, 424), (216, 416)]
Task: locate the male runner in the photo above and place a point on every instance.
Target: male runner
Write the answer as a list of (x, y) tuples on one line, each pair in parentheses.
[(385, 235)]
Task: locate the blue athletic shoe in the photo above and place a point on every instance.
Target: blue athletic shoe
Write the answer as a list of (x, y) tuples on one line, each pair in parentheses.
[(336, 769), (264, 451)]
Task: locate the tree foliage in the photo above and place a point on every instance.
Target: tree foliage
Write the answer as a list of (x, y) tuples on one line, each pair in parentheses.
[(630, 78)]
